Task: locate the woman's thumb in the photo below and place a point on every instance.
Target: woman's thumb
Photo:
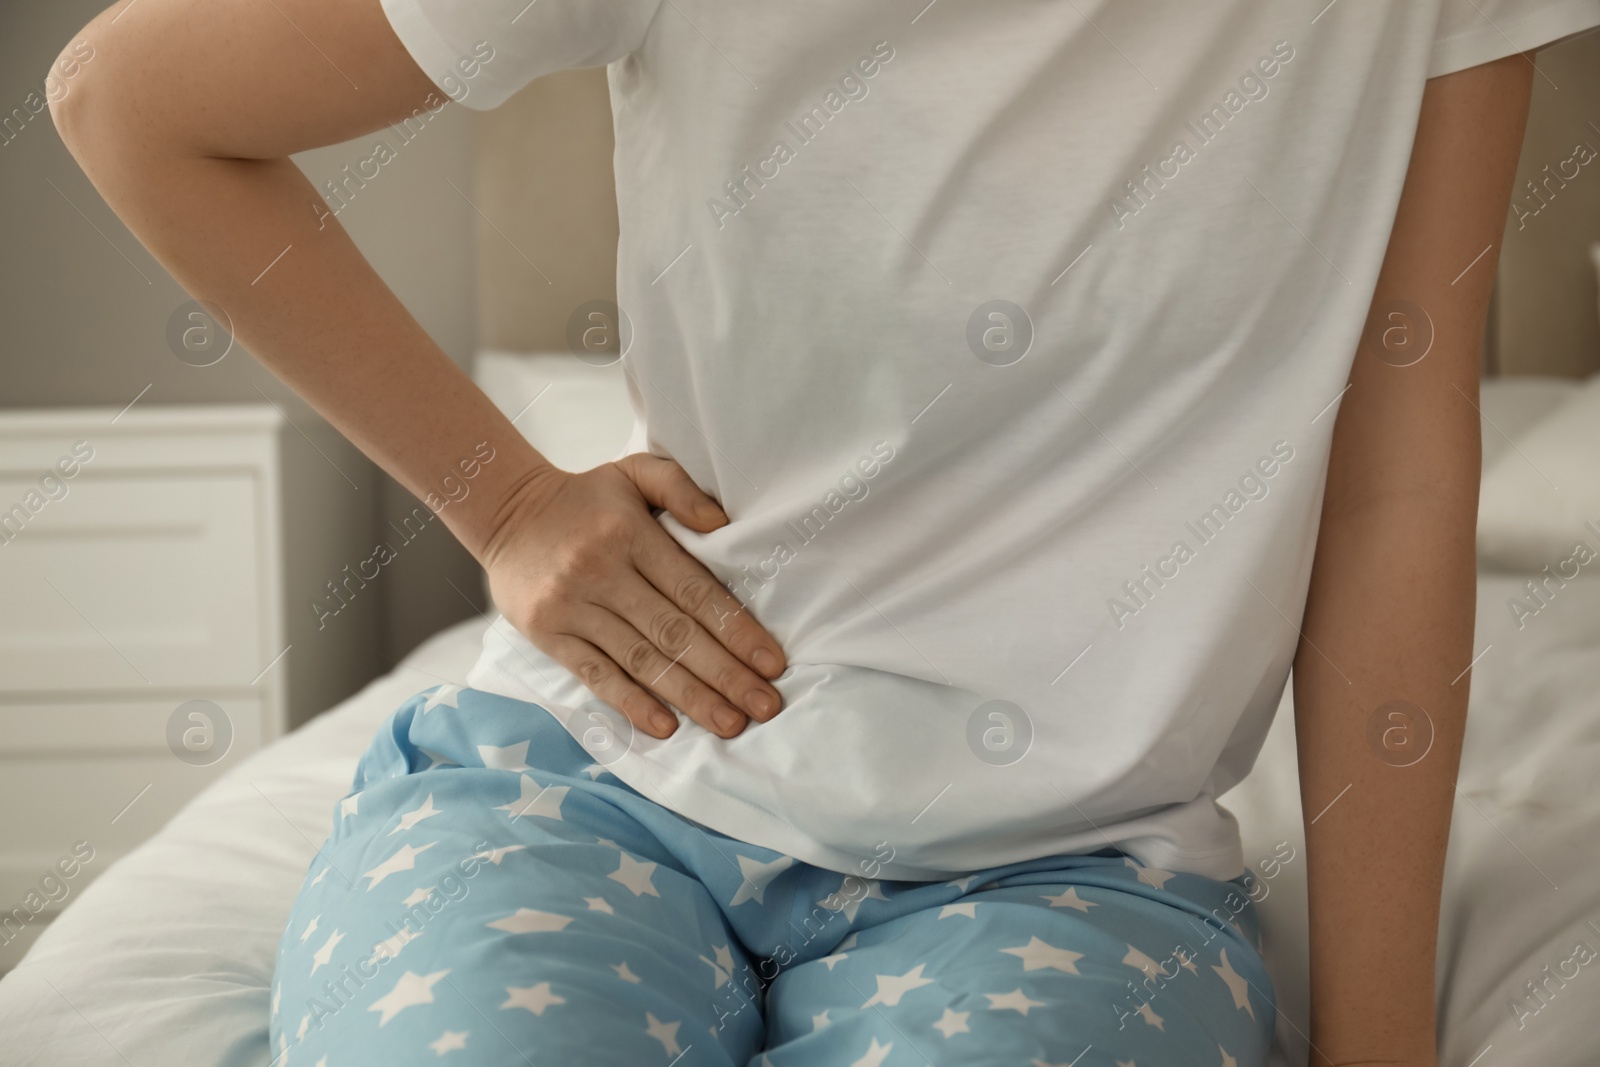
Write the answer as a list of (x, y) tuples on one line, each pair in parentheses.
[(664, 484)]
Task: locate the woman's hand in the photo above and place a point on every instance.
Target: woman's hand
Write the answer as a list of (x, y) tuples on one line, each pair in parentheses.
[(190, 144), (581, 567)]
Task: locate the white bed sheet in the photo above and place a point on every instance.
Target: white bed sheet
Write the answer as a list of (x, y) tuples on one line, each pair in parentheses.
[(1523, 877), (167, 958)]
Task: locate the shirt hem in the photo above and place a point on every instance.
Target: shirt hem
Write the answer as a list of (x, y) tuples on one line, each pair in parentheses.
[(742, 820), (762, 828)]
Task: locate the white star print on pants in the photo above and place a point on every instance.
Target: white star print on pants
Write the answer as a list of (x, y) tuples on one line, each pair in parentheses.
[(498, 898)]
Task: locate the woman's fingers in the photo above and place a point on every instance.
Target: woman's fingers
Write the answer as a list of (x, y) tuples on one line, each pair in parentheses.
[(687, 642), (664, 675), (688, 584), (589, 575), (611, 683), (681, 577)]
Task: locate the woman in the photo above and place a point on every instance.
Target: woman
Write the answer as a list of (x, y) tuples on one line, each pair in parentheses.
[(1022, 387)]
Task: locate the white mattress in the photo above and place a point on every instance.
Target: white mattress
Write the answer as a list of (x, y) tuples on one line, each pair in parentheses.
[(167, 958)]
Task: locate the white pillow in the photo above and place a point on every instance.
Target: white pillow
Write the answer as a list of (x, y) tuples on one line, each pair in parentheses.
[(581, 418), (1542, 491), (1513, 406)]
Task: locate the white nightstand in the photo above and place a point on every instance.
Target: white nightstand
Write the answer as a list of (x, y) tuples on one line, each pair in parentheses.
[(152, 635)]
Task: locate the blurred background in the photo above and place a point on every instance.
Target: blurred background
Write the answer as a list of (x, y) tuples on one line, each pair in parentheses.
[(210, 588)]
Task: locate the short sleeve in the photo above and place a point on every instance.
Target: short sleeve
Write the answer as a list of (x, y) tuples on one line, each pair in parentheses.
[(480, 52), (1471, 32)]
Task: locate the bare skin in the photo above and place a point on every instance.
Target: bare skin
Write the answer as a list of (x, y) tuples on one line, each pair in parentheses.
[(185, 123), (1390, 611)]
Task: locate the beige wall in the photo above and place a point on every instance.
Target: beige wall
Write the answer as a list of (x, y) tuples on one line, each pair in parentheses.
[(84, 308), (545, 182), (1547, 320)]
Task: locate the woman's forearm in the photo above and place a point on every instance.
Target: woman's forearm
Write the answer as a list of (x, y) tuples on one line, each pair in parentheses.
[(1381, 676), (209, 189), (1398, 625), (185, 123)]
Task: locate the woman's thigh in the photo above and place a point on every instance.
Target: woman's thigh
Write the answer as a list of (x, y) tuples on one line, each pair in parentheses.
[(1101, 965), (506, 913)]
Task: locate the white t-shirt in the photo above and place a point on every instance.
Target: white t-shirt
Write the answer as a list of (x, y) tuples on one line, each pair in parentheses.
[(1010, 337)]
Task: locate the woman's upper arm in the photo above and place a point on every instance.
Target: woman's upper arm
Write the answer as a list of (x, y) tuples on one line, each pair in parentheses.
[(1409, 429), (247, 79)]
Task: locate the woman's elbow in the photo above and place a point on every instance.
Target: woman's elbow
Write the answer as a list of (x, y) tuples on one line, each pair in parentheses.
[(77, 92)]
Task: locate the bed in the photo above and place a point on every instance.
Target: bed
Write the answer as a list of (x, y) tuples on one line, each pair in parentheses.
[(167, 958)]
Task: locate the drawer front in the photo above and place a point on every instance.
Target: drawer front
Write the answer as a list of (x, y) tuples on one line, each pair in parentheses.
[(131, 580), (103, 774)]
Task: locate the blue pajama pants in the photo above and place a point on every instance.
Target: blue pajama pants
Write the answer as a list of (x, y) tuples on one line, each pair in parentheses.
[(492, 895)]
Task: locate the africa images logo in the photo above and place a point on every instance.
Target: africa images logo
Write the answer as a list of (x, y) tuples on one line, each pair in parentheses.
[(1253, 485), (1254, 85)]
